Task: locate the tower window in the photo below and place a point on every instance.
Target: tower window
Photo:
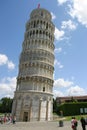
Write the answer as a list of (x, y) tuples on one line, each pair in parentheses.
[(43, 89)]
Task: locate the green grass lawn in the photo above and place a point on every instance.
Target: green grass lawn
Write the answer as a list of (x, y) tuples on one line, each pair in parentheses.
[(68, 118), (78, 117)]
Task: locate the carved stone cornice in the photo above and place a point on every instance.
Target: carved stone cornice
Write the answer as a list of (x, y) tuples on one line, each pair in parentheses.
[(35, 78)]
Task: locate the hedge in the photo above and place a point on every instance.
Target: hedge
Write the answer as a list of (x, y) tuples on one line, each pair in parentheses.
[(70, 109)]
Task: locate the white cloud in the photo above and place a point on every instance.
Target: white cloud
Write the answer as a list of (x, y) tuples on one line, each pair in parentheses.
[(67, 88), (78, 9), (62, 1), (7, 87), (57, 93), (59, 34), (62, 83), (68, 25), (10, 65), (75, 90), (53, 15), (5, 61), (56, 62), (58, 50)]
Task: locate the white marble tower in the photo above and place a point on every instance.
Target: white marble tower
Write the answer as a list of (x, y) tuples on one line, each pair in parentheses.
[(33, 98)]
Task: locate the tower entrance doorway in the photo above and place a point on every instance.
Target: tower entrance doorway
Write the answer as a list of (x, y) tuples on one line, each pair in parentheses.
[(25, 116)]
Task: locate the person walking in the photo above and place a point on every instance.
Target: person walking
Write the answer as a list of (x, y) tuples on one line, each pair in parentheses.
[(14, 119), (83, 123), (74, 123)]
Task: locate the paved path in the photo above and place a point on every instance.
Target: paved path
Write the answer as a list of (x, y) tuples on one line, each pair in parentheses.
[(38, 126)]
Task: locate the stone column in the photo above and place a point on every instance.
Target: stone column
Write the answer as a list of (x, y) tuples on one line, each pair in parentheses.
[(47, 108), (30, 110), (14, 107), (39, 113), (21, 111)]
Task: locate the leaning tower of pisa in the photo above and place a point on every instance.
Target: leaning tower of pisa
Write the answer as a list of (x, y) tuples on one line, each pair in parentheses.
[(33, 97)]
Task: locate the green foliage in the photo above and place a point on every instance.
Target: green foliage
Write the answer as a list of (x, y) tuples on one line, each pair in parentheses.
[(55, 106), (73, 100), (72, 108), (6, 105)]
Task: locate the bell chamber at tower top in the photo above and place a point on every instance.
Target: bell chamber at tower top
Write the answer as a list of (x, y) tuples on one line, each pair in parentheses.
[(40, 25), (41, 13)]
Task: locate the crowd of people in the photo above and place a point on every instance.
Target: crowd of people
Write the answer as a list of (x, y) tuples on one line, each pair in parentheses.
[(74, 123), (7, 119)]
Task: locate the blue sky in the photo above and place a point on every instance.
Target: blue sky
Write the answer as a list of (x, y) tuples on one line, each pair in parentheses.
[(70, 20)]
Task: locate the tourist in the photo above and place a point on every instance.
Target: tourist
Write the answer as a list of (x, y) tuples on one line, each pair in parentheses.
[(83, 123), (1, 120), (74, 123), (14, 119)]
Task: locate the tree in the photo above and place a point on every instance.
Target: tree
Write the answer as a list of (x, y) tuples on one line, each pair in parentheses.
[(6, 105), (55, 106)]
